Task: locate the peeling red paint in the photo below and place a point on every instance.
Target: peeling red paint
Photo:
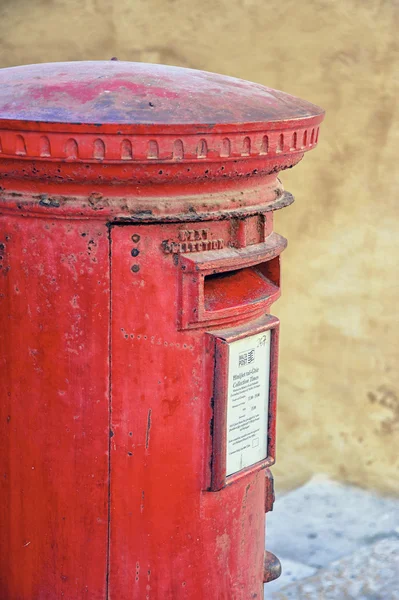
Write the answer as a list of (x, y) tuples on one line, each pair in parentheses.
[(136, 244)]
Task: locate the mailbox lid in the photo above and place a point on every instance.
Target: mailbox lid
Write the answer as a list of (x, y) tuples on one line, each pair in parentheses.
[(129, 97), (119, 140)]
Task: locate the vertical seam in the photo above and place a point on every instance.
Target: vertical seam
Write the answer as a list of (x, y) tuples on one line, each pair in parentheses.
[(110, 432)]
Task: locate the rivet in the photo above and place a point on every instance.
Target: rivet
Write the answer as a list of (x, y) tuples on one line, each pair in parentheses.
[(135, 268), (135, 238), (135, 252)]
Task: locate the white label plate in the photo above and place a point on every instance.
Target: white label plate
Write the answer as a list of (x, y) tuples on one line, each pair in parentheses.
[(247, 401)]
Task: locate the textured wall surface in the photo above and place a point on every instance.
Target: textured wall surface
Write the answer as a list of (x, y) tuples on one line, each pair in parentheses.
[(339, 384)]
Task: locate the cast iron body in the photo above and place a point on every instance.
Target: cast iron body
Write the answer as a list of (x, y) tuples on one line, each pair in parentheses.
[(136, 246)]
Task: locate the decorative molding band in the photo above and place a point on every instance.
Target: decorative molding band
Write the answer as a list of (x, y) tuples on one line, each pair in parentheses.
[(111, 148)]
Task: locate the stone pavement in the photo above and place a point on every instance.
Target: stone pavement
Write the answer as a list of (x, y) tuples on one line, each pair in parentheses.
[(335, 542)]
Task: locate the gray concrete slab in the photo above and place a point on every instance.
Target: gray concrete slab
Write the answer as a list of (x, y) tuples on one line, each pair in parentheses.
[(371, 573), (292, 571), (322, 522), (325, 520)]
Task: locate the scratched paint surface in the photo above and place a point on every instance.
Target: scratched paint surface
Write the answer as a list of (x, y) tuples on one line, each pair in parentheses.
[(54, 298), (122, 466), (169, 538), (131, 93)]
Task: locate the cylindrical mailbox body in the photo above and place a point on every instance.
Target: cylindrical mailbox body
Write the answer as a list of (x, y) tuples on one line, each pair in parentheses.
[(138, 356)]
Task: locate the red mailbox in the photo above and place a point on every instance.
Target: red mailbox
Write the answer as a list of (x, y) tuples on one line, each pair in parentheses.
[(138, 356)]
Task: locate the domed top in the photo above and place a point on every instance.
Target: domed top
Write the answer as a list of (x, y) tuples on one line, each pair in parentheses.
[(138, 128), (127, 97), (140, 141)]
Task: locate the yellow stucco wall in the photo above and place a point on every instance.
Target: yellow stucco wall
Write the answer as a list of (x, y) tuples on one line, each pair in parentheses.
[(339, 384)]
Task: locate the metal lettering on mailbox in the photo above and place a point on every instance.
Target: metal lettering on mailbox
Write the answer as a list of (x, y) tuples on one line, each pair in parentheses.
[(138, 356)]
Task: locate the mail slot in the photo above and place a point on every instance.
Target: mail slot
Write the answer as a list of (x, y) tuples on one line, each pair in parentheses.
[(139, 355), (218, 287), (232, 289)]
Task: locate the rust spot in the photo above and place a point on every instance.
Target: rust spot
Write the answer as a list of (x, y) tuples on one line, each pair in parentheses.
[(48, 202), (147, 433), (271, 567), (95, 198)]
